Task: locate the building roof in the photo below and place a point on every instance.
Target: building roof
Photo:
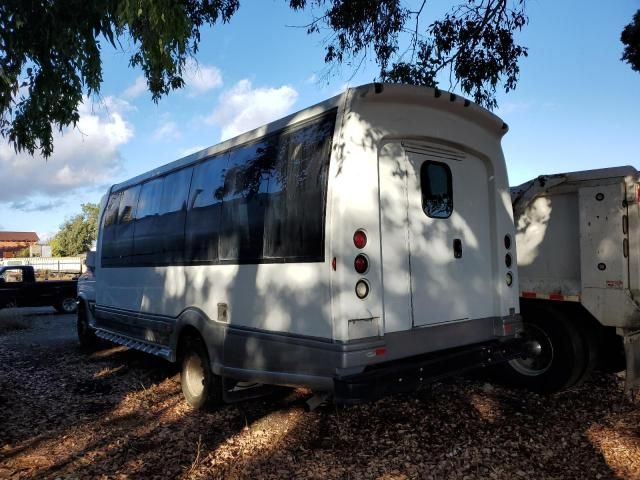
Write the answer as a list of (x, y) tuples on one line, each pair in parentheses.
[(18, 237)]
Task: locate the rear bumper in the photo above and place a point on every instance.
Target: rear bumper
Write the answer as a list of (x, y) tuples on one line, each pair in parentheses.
[(410, 373)]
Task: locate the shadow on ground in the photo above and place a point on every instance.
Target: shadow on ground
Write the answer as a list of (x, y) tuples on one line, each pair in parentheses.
[(64, 413)]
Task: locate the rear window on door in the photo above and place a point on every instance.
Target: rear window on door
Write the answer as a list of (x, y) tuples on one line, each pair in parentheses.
[(437, 189)]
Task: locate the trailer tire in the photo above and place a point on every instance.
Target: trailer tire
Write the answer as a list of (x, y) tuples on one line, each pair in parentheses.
[(67, 305), (202, 389), (591, 344), (559, 352)]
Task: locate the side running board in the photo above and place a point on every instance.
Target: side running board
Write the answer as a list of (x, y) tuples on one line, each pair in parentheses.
[(154, 349)]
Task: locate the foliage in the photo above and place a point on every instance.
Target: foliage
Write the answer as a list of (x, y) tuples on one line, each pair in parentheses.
[(50, 55), (630, 37), (474, 42), (23, 252), (77, 233)]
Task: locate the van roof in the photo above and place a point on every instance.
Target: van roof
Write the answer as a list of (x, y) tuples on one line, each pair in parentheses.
[(395, 93)]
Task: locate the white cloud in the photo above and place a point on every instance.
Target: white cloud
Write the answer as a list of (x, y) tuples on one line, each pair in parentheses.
[(313, 78), (200, 78), (83, 157), (167, 131), (243, 107), (135, 90)]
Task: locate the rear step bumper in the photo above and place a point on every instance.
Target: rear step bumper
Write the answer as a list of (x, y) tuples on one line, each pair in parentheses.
[(408, 374)]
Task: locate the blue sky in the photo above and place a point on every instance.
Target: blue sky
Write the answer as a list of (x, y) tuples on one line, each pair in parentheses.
[(575, 107)]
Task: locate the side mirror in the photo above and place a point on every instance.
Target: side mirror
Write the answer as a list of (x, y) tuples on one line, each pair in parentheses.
[(91, 260)]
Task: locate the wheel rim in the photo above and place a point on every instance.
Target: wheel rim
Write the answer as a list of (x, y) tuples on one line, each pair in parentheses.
[(68, 305), (540, 353), (194, 375)]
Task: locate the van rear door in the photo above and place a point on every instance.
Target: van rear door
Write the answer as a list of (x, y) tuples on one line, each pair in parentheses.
[(450, 222), (436, 226)]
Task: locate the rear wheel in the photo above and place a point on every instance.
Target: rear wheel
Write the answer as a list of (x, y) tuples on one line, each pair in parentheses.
[(67, 305), (200, 386), (558, 354)]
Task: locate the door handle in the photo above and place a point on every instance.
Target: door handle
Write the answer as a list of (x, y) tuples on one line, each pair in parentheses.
[(457, 248)]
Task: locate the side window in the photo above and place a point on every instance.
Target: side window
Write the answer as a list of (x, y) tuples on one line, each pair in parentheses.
[(243, 205), (12, 275), (437, 189), (121, 242), (203, 211), (172, 215), (146, 243), (297, 193), (109, 226)]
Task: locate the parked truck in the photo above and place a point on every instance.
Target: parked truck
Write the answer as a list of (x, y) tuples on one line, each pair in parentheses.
[(19, 288), (578, 256)]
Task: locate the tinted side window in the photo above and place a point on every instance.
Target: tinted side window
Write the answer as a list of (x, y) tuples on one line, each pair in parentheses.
[(172, 215), (203, 213), (109, 226), (243, 205), (145, 243), (437, 189), (297, 193), (122, 242)]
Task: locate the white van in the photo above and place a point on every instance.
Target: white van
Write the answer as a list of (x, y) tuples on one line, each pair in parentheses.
[(360, 247)]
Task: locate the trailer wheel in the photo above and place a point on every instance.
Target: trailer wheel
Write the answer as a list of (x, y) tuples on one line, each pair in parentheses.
[(200, 386), (86, 335), (67, 305), (557, 352)]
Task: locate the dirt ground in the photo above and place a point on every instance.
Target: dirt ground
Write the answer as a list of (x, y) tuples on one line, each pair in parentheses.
[(119, 414)]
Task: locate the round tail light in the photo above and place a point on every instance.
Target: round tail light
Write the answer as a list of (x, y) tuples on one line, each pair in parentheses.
[(361, 264), (359, 239), (362, 289)]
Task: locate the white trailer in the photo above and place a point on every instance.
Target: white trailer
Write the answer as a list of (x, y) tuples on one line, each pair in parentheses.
[(359, 247), (578, 246)]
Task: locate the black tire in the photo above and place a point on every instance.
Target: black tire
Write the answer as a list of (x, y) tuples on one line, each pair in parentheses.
[(560, 355), (591, 342), (67, 305), (612, 358), (202, 389), (86, 335)]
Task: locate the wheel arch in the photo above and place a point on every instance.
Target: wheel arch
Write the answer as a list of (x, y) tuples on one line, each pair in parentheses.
[(194, 322)]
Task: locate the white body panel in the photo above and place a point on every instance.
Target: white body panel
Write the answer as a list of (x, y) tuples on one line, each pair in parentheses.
[(572, 231)]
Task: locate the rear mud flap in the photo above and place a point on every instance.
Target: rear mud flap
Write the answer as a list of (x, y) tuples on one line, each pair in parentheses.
[(632, 354)]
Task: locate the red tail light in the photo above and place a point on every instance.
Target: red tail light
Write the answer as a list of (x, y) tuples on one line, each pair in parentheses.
[(361, 264), (359, 239)]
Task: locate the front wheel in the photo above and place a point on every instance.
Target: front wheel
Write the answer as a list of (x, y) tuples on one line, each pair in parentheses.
[(67, 305), (200, 386)]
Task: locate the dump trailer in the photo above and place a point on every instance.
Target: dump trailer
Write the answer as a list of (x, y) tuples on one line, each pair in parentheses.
[(578, 256)]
